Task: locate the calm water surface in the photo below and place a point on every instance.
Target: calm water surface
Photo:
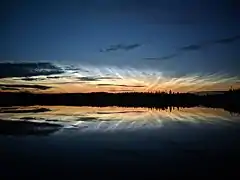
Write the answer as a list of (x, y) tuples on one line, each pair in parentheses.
[(172, 142)]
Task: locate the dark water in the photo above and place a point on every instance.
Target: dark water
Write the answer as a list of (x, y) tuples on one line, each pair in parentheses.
[(84, 142)]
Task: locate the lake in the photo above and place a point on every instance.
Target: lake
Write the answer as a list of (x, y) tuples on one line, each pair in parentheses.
[(56, 141)]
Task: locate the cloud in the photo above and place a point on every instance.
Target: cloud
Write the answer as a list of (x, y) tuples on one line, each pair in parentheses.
[(41, 78), (121, 85), (9, 89), (119, 90), (32, 79), (17, 86), (113, 48), (196, 47), (130, 47), (35, 110), (109, 78), (123, 47), (88, 78), (192, 47), (161, 58), (23, 128), (227, 40), (56, 77), (87, 119), (26, 69), (74, 68)]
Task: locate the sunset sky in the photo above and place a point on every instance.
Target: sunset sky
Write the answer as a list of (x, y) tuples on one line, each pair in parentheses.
[(61, 46)]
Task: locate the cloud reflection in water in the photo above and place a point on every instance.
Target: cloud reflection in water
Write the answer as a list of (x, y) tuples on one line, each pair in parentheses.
[(118, 118)]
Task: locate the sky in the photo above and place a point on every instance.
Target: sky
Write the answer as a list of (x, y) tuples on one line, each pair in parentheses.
[(61, 46)]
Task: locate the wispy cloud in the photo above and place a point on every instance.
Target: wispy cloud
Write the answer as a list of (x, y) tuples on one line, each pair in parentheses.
[(195, 47), (123, 47)]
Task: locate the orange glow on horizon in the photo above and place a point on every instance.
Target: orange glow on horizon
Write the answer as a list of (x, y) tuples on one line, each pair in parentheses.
[(77, 88), (113, 79)]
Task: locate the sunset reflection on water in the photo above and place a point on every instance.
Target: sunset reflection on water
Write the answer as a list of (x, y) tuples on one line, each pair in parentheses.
[(114, 118)]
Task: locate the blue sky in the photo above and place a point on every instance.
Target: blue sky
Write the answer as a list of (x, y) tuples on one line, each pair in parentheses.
[(81, 32)]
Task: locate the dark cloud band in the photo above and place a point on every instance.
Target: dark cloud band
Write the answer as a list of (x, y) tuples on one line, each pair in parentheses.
[(196, 47), (88, 78), (18, 86), (28, 69)]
